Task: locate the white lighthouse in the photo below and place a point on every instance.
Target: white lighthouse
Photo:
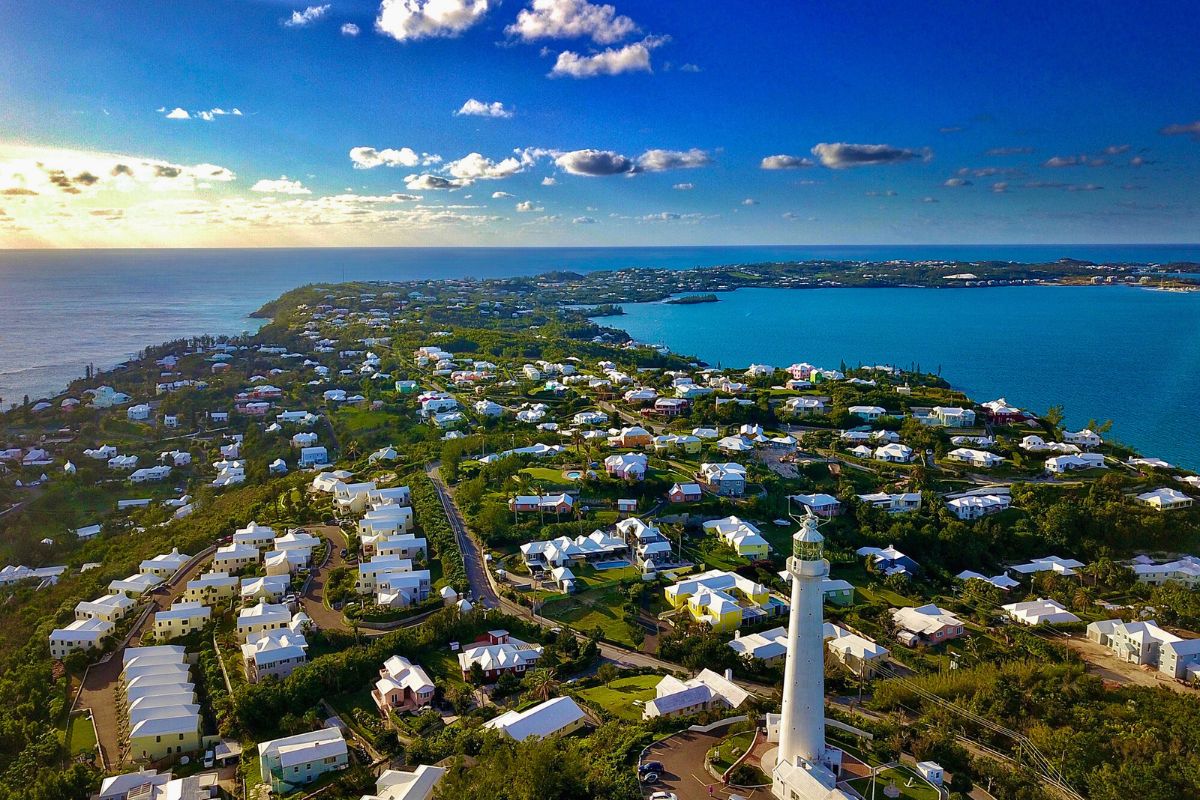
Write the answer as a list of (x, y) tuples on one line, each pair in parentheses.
[(804, 766)]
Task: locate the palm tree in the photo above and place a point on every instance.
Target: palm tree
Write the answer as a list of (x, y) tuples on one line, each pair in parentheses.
[(542, 683)]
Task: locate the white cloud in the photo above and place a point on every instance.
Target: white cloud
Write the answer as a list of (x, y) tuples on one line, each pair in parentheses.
[(684, 187), (281, 186), (474, 166), (689, 68), (206, 115), (548, 181), (955, 183), (350, 29), (67, 174), (478, 108), (841, 155), (595, 163), (571, 19), (409, 20), (308, 16), (749, 201), (786, 162), (584, 221), (659, 160), (525, 206), (501, 195), (633, 57), (369, 157), (428, 182)]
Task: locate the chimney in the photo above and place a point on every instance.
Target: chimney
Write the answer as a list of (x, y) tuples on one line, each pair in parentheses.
[(729, 675), (737, 634)]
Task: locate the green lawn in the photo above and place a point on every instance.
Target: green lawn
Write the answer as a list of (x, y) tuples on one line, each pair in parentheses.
[(901, 777), (730, 750), (81, 736), (617, 697), (549, 475), (593, 609)]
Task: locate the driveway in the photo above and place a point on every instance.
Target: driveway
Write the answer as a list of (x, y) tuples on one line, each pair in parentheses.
[(1101, 661), (477, 575), (313, 600), (99, 694), (684, 774)]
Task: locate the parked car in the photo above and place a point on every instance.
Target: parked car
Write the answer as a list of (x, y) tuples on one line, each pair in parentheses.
[(650, 766), (664, 796), (649, 777)]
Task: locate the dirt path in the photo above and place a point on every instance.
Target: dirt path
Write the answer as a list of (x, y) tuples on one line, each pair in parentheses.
[(1101, 661)]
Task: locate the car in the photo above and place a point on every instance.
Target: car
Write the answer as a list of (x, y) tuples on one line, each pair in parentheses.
[(664, 796), (343, 552), (330, 521), (209, 759), (649, 777), (650, 766)]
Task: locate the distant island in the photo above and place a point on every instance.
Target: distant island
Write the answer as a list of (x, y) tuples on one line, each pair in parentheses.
[(691, 299)]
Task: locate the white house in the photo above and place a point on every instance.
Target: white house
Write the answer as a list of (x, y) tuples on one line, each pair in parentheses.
[(138, 413), (556, 717), (1074, 461), (1083, 438), (1037, 612), (165, 565), (926, 624), (894, 452), (976, 458), (893, 503), (1165, 499), (180, 619), (868, 413), (974, 506), (81, 634), (676, 698), (1147, 644)]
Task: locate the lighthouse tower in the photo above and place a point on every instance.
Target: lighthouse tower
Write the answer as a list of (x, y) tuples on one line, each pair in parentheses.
[(802, 763)]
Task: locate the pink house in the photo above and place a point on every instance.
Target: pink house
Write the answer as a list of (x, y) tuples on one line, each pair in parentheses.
[(402, 686)]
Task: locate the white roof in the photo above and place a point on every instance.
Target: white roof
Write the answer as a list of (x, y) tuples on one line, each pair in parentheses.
[(543, 720), (306, 747)]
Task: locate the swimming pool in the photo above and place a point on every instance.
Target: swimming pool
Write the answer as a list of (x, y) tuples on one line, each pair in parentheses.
[(611, 564), (573, 475)]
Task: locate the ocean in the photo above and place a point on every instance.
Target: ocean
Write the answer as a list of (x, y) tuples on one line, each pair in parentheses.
[(1123, 353), (65, 309)]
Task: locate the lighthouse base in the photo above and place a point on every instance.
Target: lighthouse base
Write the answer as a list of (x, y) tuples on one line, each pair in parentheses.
[(804, 780)]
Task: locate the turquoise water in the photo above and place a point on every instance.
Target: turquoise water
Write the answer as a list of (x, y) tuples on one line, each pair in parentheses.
[(65, 309), (1113, 352)]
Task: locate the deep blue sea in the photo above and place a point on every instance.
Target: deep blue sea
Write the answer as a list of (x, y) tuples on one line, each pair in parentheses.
[(1127, 354), (64, 309)]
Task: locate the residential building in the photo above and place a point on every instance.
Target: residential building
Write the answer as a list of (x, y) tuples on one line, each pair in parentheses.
[(889, 561), (556, 717), (1147, 644), (233, 558), (402, 686), (165, 565), (497, 653), (110, 608), (81, 634), (894, 453), (893, 503), (685, 493), (721, 600), (745, 539), (275, 653), (857, 653), (1063, 566), (211, 587), (180, 619), (259, 619), (1038, 612), (291, 763), (416, 785), (1074, 461), (676, 698), (976, 458), (925, 624), (974, 506), (822, 505), (1165, 499), (727, 479)]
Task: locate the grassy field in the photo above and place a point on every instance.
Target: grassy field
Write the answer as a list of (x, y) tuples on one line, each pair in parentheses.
[(730, 750), (900, 777), (81, 737), (617, 697), (586, 611), (549, 475)]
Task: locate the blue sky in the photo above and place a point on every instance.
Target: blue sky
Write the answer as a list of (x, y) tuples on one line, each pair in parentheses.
[(635, 123)]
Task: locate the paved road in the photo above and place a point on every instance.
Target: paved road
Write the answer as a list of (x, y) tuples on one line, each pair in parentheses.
[(99, 693), (313, 600), (684, 774), (482, 590)]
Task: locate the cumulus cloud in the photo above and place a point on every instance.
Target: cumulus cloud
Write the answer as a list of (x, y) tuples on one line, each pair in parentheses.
[(571, 19), (660, 160), (749, 201), (426, 182), (500, 195), (1182, 129), (207, 115), (409, 20), (474, 166), (526, 206), (584, 221), (478, 108), (350, 29), (684, 187), (308, 16), (954, 183), (786, 162), (841, 155), (369, 157), (1000, 187), (633, 57), (595, 163), (281, 186), (33, 171), (549, 181)]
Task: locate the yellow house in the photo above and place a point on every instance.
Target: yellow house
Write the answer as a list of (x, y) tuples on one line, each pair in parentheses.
[(636, 436), (211, 587), (717, 598), (180, 620), (158, 737)]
